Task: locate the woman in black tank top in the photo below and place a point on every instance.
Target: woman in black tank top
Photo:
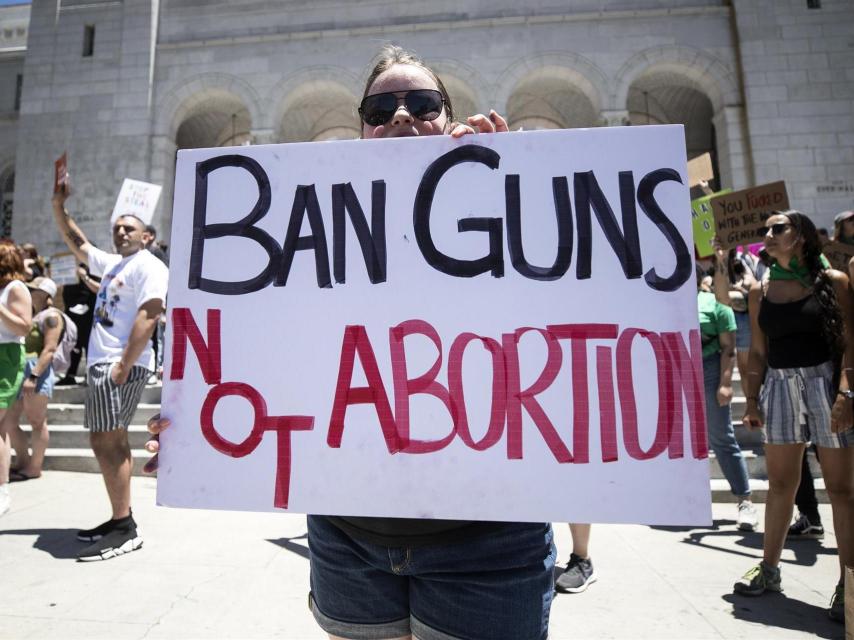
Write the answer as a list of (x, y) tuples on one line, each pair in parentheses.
[(797, 385)]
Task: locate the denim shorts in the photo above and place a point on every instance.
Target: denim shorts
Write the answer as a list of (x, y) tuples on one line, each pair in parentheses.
[(498, 585), (44, 385), (742, 331)]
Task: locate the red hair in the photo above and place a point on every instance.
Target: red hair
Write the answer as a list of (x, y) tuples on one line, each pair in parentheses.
[(11, 264)]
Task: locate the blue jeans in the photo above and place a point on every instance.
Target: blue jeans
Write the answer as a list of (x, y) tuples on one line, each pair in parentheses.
[(721, 434), (498, 585)]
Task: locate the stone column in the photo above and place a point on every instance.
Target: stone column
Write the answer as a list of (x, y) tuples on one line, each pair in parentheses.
[(614, 117), (263, 136), (734, 161), (163, 150)]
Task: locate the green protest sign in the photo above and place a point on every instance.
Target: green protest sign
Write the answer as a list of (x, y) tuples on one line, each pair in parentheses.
[(703, 222)]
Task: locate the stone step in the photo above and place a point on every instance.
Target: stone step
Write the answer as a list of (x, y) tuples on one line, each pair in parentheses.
[(65, 413), (759, 491), (58, 459), (756, 465), (76, 436), (77, 394)]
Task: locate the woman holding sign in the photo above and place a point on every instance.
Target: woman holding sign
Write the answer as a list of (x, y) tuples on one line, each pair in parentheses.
[(432, 579), (801, 320)]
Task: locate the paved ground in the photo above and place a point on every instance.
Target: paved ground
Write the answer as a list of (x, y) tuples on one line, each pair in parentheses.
[(205, 574)]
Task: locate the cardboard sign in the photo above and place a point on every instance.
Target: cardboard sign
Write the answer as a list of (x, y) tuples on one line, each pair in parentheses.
[(700, 170), (703, 224), (63, 268), (838, 254), (502, 327), (136, 198), (740, 216), (60, 173)]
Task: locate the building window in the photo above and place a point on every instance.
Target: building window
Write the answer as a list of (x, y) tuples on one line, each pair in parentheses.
[(813, 4), (88, 40), (19, 85)]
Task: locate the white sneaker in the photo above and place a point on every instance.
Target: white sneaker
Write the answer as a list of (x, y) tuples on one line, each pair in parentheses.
[(747, 519), (5, 498)]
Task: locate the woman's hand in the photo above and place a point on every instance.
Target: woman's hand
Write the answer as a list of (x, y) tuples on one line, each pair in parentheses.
[(724, 395), (493, 123), (752, 415), (841, 415), (29, 387), (155, 427)]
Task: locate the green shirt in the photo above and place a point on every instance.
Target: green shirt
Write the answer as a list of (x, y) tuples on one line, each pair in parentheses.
[(715, 319)]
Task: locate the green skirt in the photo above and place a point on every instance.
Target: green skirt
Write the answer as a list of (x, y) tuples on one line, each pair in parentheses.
[(12, 362)]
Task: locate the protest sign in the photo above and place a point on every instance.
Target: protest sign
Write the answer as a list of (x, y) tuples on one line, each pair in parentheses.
[(703, 224), (60, 173), (740, 216), (700, 169), (136, 198), (838, 254), (502, 327), (63, 268)]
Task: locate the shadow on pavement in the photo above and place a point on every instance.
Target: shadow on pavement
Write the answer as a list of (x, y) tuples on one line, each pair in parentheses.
[(716, 525), (806, 551), (60, 543), (288, 544), (776, 610)]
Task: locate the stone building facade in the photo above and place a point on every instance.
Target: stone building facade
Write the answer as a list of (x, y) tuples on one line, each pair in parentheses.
[(766, 85)]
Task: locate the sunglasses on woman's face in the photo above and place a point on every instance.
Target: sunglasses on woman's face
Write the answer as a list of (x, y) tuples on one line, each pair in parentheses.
[(779, 228), (424, 104)]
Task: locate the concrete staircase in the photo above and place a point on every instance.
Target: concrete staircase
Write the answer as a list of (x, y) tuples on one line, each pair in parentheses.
[(69, 441)]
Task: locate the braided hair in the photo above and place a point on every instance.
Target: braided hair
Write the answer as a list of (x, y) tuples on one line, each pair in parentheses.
[(833, 327)]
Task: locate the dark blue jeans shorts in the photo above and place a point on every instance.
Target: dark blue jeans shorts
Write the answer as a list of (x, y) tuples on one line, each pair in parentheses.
[(497, 585)]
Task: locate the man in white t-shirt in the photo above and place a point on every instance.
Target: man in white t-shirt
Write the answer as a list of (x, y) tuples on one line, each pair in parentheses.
[(120, 360)]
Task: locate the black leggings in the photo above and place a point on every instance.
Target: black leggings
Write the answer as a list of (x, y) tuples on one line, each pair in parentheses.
[(805, 498)]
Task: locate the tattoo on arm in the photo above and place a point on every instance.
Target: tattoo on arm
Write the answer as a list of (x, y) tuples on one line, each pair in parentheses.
[(75, 238), (51, 322)]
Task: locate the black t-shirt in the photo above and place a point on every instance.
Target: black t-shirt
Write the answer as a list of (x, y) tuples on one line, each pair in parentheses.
[(411, 532)]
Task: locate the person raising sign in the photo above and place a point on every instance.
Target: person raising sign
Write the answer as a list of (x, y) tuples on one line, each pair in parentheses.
[(399, 577), (130, 300)]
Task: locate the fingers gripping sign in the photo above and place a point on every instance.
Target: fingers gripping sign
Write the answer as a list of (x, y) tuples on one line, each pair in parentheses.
[(281, 425)]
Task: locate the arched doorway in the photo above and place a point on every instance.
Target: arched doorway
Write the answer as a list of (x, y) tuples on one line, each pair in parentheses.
[(549, 99), (668, 97), (319, 110)]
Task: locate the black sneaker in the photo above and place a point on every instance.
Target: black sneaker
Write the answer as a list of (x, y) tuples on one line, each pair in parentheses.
[(803, 529), (93, 535), (837, 604), (578, 576), (118, 541)]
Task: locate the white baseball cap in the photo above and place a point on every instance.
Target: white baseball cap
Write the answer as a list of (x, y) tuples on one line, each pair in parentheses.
[(43, 284)]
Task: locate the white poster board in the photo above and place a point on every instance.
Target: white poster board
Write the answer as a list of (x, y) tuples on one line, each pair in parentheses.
[(136, 198), (63, 268), (438, 328)]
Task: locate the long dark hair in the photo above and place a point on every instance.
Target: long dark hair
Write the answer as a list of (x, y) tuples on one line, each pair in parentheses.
[(833, 326)]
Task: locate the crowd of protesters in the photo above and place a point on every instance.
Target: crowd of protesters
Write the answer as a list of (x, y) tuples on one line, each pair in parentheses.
[(782, 318)]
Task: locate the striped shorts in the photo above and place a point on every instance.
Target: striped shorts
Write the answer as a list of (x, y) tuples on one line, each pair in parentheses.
[(797, 404), (110, 406)]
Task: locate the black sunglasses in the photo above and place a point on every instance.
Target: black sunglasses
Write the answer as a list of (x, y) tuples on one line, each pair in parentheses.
[(779, 228), (424, 104)]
